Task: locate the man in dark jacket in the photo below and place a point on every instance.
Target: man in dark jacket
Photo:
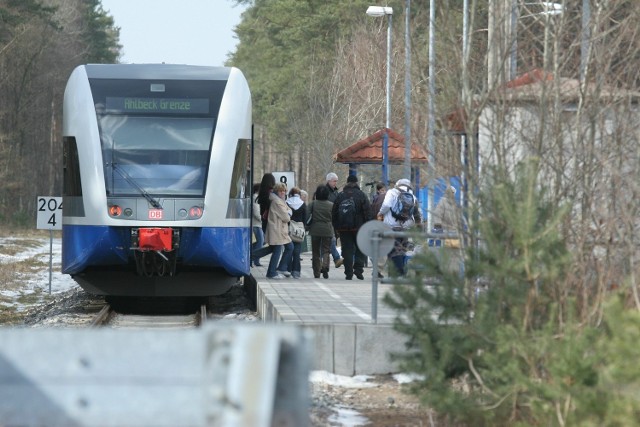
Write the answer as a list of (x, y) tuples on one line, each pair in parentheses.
[(332, 186), (350, 210)]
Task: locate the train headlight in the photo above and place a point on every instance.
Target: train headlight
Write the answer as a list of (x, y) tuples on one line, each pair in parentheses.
[(115, 210), (195, 212), (128, 212)]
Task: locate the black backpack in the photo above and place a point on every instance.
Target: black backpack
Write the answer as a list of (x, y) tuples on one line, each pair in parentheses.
[(346, 214), (404, 207)]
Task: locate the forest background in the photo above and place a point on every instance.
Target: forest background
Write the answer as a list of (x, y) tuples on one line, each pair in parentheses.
[(542, 326), (316, 70)]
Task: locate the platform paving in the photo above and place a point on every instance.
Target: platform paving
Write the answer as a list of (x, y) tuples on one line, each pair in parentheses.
[(338, 313)]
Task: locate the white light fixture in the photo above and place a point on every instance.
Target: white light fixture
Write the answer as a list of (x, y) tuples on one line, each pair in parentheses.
[(379, 11), (549, 9)]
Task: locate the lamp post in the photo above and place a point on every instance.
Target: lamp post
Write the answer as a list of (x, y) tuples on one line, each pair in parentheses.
[(407, 93), (378, 11)]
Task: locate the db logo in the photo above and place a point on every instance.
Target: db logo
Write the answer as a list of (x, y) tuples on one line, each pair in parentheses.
[(155, 214)]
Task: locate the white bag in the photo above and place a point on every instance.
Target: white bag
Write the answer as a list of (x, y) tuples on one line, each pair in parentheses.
[(296, 231)]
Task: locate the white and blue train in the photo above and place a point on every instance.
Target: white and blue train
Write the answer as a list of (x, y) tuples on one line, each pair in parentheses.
[(157, 179)]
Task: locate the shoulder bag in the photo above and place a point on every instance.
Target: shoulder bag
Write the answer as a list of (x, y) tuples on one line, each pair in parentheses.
[(296, 231)]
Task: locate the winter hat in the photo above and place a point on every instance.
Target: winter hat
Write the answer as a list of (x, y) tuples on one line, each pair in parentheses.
[(352, 178), (403, 183)]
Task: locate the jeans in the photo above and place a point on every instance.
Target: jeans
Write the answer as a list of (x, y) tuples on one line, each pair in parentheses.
[(398, 265), (275, 251), (334, 250), (285, 260), (398, 256), (257, 231), (294, 267), (275, 258)]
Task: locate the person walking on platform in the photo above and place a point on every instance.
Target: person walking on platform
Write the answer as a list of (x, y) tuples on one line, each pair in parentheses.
[(376, 204), (277, 235), (446, 213), (332, 185), (321, 232), (350, 210), (299, 214), (264, 197), (256, 227), (400, 210)]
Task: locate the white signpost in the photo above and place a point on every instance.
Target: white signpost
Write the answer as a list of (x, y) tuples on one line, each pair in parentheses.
[(49, 218), (288, 178)]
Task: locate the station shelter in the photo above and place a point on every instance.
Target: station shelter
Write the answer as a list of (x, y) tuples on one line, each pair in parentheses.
[(368, 151)]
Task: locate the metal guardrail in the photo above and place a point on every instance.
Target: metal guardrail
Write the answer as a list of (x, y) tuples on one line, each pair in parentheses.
[(381, 237), (217, 375)]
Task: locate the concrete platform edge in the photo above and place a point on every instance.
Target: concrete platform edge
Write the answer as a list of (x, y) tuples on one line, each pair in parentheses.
[(343, 349)]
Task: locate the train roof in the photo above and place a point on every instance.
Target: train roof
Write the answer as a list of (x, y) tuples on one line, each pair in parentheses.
[(157, 71)]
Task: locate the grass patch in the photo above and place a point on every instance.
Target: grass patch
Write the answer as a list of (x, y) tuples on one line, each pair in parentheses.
[(12, 247), (12, 274), (10, 316), (21, 233), (30, 297)]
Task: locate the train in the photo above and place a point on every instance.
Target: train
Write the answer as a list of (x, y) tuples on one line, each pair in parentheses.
[(157, 175)]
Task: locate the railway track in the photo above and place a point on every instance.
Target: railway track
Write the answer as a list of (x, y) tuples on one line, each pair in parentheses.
[(108, 317), (79, 309)]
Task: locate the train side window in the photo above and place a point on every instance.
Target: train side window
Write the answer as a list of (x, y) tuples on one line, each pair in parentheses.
[(71, 168), (239, 193), (239, 182)]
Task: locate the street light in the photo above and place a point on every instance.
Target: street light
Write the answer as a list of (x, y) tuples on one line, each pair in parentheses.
[(378, 11)]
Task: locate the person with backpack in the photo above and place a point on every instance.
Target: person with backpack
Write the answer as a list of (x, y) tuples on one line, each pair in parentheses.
[(400, 210), (350, 210)]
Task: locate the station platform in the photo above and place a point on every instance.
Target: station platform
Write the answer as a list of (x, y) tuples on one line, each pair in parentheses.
[(338, 313)]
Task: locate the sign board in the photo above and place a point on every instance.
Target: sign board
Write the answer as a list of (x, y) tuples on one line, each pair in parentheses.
[(365, 241), (49, 213), (288, 178)]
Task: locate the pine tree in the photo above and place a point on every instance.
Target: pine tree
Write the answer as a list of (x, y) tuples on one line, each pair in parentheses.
[(479, 349)]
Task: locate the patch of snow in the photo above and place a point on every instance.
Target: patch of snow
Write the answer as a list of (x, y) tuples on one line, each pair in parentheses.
[(346, 417), (46, 251), (407, 378), (324, 377)]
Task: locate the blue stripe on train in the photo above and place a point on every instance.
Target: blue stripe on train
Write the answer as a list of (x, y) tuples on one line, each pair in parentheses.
[(84, 246)]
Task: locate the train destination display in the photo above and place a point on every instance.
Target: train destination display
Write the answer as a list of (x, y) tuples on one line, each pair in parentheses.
[(157, 105)]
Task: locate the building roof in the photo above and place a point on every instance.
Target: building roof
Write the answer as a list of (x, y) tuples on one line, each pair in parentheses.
[(368, 150), (537, 84)]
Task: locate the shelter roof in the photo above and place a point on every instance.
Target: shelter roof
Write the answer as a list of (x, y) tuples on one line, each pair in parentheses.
[(368, 150)]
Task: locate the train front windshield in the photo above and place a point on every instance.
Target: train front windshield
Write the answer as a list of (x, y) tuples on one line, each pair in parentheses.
[(156, 136)]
